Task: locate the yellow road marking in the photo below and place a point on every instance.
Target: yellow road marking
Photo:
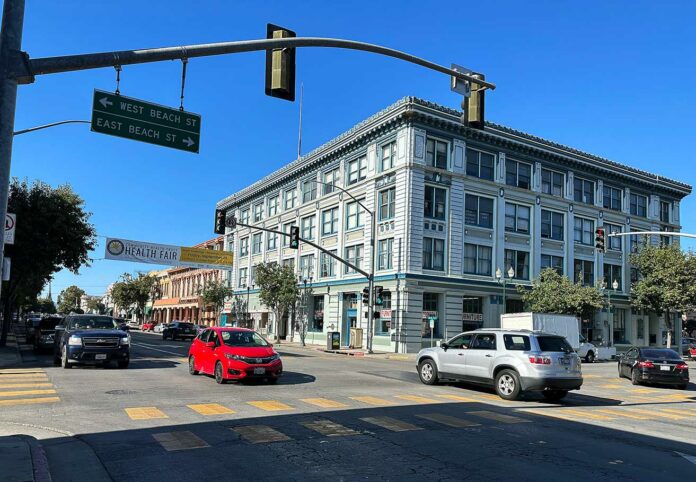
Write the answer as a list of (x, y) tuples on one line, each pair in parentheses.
[(380, 402), (329, 428), (260, 434), (554, 414), (17, 393), (210, 409), (270, 405), (676, 412), (391, 424), (417, 398), (582, 414), (324, 402), (623, 413), (20, 371), (644, 390), (448, 420), (458, 398), (28, 401), (24, 385), (183, 440), (489, 396), (498, 417), (145, 413), (655, 413), (610, 385), (24, 376)]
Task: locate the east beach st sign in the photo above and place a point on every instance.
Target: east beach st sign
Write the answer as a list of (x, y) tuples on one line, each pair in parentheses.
[(122, 116)]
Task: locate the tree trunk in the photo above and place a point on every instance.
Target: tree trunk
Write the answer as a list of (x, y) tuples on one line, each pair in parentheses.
[(668, 322), (278, 318), (6, 320)]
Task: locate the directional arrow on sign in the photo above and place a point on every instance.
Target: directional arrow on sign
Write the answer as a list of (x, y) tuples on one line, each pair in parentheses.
[(188, 141), (105, 102)]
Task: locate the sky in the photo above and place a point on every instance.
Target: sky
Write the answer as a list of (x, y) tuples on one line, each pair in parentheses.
[(613, 78)]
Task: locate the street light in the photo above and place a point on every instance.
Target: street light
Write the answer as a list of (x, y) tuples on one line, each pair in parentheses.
[(373, 247), (615, 286), (502, 280)]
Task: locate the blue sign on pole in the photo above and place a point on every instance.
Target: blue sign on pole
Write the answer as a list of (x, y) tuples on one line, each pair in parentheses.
[(223, 320)]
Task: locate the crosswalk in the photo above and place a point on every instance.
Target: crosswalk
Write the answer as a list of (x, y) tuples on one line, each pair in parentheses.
[(26, 386), (621, 413)]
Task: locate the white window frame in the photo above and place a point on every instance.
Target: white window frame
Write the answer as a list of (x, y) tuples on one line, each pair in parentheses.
[(357, 215), (390, 205), (244, 246), (307, 231), (273, 205), (256, 243), (551, 184), (331, 178), (332, 222), (354, 254), (391, 157), (356, 170), (385, 254), (290, 199), (327, 265), (436, 141)]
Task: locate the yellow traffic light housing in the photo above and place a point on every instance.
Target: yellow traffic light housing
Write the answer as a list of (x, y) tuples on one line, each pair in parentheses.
[(280, 66)]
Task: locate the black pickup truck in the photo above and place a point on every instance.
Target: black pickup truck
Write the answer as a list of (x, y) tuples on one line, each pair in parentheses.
[(90, 339)]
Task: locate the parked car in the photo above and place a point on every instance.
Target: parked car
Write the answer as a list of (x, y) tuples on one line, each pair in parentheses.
[(44, 334), (30, 323), (511, 361), (688, 346), (234, 354), (159, 328), (133, 325), (179, 329), (587, 351), (148, 326), (654, 365), (90, 339)]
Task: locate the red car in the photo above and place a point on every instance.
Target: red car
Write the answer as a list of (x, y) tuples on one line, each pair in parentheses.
[(234, 354), (148, 326)]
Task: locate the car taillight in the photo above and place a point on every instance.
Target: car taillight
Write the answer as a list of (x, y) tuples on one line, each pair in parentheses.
[(540, 360), (682, 366), (646, 364)]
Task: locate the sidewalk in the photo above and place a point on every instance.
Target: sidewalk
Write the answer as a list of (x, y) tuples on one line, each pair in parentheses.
[(355, 352), (9, 354), (22, 459)]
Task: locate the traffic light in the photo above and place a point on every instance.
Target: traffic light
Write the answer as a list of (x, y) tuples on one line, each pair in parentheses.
[(219, 221), (366, 296), (600, 239), (378, 295), (294, 237), (474, 105), (280, 66)]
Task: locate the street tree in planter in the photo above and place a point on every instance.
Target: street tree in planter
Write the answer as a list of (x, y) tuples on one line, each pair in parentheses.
[(133, 291), (96, 306), (666, 282), (69, 299), (555, 293), (279, 290), (53, 232), (215, 293)]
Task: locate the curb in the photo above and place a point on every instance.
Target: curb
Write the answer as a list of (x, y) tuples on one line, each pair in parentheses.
[(38, 460)]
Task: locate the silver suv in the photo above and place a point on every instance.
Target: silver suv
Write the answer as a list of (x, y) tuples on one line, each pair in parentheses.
[(513, 361)]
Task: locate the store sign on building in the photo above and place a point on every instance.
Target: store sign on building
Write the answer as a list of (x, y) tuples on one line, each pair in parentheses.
[(472, 317)]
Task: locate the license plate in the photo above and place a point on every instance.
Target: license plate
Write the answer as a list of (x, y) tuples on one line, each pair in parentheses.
[(259, 371), (564, 361), (664, 368), (100, 356)]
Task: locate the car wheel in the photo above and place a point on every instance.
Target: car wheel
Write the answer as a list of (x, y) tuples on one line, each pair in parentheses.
[(554, 395), (590, 357), (64, 358), (634, 377), (507, 385), (427, 371), (218, 373), (192, 366), (123, 363), (619, 367)]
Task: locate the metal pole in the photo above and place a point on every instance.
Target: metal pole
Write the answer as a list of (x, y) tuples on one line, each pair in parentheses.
[(10, 44), (371, 285), (504, 294)]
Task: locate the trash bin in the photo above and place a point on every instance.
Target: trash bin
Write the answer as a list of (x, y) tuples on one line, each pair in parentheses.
[(356, 335), (333, 340)]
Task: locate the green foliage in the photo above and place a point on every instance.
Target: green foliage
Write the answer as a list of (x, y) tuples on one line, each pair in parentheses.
[(96, 306), (44, 305), (554, 293), (69, 299), (278, 287), (133, 291), (215, 293), (53, 232), (666, 281)]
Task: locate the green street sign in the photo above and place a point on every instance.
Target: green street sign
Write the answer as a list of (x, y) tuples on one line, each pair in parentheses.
[(122, 116)]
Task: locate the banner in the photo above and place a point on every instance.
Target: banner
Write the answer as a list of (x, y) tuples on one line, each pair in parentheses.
[(142, 252)]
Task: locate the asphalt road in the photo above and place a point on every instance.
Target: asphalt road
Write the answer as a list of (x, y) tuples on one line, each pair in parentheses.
[(340, 418)]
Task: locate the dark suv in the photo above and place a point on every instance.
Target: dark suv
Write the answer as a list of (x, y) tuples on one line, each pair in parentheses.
[(179, 329), (90, 339)]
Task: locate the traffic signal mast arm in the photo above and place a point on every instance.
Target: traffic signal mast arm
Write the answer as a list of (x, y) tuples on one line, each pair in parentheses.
[(351, 266), (661, 233), (23, 69)]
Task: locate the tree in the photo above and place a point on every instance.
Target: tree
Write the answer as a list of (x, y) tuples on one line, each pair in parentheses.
[(279, 290), (69, 299), (303, 310), (240, 310), (554, 293), (96, 306), (133, 291), (44, 305), (666, 282), (215, 293), (53, 232)]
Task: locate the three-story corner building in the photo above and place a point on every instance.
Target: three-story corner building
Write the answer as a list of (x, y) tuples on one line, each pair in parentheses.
[(457, 212)]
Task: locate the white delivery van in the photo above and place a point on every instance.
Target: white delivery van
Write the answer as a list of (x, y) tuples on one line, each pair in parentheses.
[(567, 326)]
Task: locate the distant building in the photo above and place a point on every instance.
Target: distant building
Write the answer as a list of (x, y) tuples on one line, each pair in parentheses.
[(454, 206), (84, 303)]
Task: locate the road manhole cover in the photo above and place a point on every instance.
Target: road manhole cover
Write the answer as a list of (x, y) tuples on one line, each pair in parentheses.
[(121, 392)]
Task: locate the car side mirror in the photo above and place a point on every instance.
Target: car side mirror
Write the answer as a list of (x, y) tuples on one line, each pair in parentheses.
[(210, 344), (444, 346)]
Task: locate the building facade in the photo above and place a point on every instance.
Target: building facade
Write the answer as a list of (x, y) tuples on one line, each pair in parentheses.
[(179, 292), (454, 207)]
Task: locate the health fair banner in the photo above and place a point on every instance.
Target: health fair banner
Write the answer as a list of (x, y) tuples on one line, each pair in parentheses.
[(120, 249)]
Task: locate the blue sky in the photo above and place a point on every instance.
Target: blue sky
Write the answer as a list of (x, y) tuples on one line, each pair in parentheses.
[(601, 76)]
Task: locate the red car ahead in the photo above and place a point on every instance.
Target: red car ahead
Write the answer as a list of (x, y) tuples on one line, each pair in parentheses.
[(234, 354), (148, 326)]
